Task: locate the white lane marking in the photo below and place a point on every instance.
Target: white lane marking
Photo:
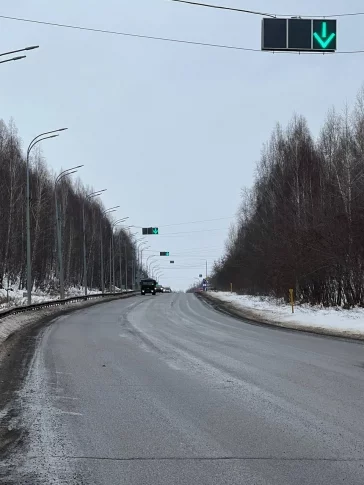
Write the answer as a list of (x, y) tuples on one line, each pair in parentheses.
[(71, 413), (67, 397), (64, 373)]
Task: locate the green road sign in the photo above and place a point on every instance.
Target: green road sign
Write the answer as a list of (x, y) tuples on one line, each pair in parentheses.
[(324, 35), (150, 230)]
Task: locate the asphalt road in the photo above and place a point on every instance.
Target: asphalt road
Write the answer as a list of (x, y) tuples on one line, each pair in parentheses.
[(164, 390)]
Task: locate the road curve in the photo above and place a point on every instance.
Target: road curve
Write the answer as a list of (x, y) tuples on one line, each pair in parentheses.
[(164, 390)]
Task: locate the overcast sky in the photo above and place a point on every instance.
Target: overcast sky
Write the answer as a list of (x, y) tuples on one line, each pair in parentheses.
[(173, 131)]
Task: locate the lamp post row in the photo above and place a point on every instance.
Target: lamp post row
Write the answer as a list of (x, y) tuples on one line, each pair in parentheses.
[(41, 137), (45, 136)]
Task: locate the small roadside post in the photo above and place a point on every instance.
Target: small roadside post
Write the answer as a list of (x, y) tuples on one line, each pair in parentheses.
[(7, 295), (291, 298), (231, 287)]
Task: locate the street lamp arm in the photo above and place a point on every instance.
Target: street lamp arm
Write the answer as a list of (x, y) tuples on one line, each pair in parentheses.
[(19, 50), (112, 209), (116, 223), (67, 172), (31, 144), (95, 194), (13, 59), (62, 176), (141, 244)]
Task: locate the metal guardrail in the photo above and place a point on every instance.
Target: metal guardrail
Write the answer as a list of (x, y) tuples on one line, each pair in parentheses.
[(65, 301)]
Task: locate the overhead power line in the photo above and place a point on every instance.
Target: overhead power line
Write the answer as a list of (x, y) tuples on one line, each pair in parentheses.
[(220, 7), (192, 232), (129, 34), (265, 14), (197, 222), (174, 40)]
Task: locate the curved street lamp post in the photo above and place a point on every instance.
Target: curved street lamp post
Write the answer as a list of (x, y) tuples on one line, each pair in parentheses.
[(154, 269), (43, 136), (125, 263), (139, 246), (107, 211), (87, 198), (112, 253), (63, 174)]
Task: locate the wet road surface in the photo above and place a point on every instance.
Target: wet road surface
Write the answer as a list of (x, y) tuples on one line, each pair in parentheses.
[(165, 390)]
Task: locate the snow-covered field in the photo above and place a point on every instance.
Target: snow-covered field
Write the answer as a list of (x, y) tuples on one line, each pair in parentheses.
[(277, 311)]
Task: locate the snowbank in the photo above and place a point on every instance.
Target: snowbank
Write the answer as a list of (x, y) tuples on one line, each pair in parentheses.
[(16, 297), (13, 323), (330, 320)]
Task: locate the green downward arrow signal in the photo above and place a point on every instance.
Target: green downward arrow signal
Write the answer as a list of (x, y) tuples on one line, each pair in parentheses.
[(155, 230), (323, 40)]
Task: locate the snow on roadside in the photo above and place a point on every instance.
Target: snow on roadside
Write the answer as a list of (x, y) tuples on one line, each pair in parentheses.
[(305, 316), (13, 323), (17, 299)]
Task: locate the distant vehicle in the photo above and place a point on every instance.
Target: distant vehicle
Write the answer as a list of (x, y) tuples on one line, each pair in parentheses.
[(148, 286), (159, 288), (167, 289)]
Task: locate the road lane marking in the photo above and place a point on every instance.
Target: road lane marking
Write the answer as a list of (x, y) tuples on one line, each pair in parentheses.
[(71, 413)]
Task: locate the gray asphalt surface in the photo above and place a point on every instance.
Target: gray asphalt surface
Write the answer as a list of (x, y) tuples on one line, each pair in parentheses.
[(164, 390)]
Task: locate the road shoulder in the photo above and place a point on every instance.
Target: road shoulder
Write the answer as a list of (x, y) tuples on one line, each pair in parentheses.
[(255, 317), (16, 352)]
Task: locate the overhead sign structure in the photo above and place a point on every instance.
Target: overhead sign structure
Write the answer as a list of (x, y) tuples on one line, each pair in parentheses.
[(150, 230), (296, 34), (164, 253)]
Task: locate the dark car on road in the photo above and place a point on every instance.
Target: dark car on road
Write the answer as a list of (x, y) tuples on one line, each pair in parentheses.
[(148, 286)]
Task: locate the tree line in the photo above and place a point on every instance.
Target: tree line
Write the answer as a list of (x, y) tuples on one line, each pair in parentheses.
[(301, 225), (72, 200)]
